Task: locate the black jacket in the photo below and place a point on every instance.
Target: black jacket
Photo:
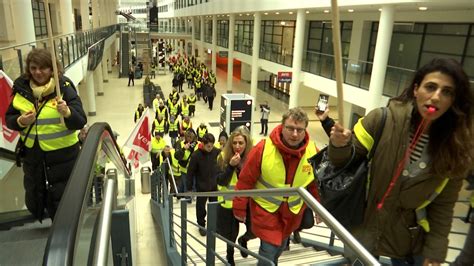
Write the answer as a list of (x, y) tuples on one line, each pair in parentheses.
[(203, 165), (327, 124)]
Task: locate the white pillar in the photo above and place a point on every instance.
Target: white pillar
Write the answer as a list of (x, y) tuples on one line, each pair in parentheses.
[(257, 26), (230, 61), (23, 24), (193, 39), (214, 44), (66, 16), (382, 50), (105, 73), (203, 56), (297, 58), (90, 93), (85, 15), (99, 85), (95, 14)]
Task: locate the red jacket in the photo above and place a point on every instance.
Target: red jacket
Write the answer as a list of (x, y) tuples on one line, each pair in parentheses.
[(271, 227)]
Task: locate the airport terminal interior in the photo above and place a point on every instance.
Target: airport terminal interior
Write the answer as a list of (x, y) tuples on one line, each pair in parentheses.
[(270, 51)]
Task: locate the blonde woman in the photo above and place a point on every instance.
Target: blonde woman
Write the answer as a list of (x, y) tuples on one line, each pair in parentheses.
[(229, 163)]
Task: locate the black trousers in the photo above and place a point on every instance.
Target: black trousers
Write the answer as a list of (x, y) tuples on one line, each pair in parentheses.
[(228, 227), (132, 80), (264, 123), (201, 209), (211, 101)]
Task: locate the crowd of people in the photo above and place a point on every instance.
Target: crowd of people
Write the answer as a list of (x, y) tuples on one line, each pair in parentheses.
[(415, 175)]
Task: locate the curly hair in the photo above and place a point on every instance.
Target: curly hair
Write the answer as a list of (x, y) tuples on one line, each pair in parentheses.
[(451, 144)]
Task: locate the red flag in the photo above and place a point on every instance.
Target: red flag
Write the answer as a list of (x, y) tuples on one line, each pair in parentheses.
[(139, 140), (10, 137)]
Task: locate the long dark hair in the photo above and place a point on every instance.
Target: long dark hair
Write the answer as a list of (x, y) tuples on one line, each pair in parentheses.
[(451, 135)]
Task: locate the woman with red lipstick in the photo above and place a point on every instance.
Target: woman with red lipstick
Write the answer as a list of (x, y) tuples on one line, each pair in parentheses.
[(425, 151), (229, 163)]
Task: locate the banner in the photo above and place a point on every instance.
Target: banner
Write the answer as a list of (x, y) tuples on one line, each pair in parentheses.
[(139, 141), (9, 137)]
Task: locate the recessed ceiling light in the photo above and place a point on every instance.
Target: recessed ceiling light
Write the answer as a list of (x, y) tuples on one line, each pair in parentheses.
[(350, 10), (291, 12), (380, 9), (307, 12), (422, 8), (228, 15), (240, 15), (277, 13), (326, 11), (266, 13), (248, 14)]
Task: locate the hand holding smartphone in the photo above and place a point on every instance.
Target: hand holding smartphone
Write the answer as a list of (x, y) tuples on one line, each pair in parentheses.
[(323, 102)]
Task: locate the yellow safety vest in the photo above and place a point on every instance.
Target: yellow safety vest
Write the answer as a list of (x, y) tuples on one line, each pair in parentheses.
[(192, 100), (173, 126), (173, 95), (187, 154), (174, 108), (185, 125), (274, 176), (51, 134), (159, 126), (156, 103), (197, 83), (174, 164), (162, 112), (421, 218), (185, 110), (226, 201), (157, 145), (137, 115), (201, 132)]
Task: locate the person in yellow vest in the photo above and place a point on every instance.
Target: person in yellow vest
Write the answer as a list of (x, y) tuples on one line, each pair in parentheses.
[(138, 112), (174, 94), (281, 160), (156, 102), (184, 107), (158, 126), (192, 104), (158, 143), (174, 107), (169, 153), (185, 125), (412, 194), (162, 111), (173, 129), (229, 164), (201, 131), (49, 148), (197, 87), (184, 149)]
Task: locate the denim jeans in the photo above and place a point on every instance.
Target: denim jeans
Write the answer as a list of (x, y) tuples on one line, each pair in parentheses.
[(415, 260), (271, 252)]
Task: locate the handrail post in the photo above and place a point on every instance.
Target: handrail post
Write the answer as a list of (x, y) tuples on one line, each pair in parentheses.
[(105, 220), (211, 229), (170, 217), (184, 229)]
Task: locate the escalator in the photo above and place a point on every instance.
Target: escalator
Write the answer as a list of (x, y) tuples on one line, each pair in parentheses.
[(93, 211)]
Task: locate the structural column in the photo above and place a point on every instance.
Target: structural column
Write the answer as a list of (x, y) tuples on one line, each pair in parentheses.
[(382, 50), (90, 93), (98, 80), (297, 58), (66, 14), (95, 14), (230, 61), (203, 56), (104, 64), (193, 39), (257, 26), (214, 44), (85, 15), (23, 25)]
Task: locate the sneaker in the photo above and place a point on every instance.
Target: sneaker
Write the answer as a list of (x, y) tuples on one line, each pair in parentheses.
[(202, 232), (243, 243)]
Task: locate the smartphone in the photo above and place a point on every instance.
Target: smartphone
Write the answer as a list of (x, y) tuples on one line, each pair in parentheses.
[(323, 102)]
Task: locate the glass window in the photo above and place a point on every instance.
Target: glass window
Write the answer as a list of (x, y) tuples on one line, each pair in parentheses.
[(315, 33), (468, 66), (278, 30), (444, 44), (277, 39), (454, 29), (314, 45), (470, 47)]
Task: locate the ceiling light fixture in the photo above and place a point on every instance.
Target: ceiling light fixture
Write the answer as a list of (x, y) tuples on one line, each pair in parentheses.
[(291, 12), (307, 12), (277, 13), (422, 8), (350, 10), (326, 11), (266, 13)]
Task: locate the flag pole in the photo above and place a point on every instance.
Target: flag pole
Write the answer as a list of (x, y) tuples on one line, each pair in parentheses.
[(53, 54), (336, 41)]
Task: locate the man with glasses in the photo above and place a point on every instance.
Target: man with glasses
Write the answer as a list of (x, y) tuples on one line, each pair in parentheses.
[(279, 161)]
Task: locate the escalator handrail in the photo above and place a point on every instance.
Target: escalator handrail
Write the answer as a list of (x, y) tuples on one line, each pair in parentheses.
[(7, 154), (64, 232)]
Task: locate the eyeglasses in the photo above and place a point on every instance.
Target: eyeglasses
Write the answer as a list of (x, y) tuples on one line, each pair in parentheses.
[(291, 129)]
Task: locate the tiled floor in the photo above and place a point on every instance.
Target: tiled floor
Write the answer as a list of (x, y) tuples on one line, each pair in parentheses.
[(117, 107)]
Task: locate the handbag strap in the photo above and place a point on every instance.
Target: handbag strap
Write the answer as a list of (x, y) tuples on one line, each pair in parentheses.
[(378, 134), (31, 126)]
